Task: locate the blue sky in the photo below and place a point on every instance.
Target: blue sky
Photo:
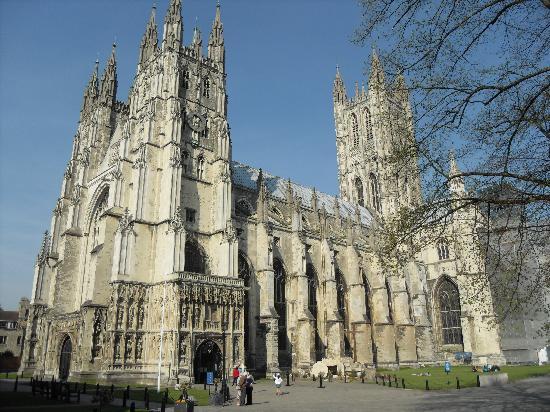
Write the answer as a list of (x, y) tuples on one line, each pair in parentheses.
[(281, 59)]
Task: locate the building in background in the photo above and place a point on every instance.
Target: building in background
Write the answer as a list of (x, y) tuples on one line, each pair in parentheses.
[(12, 335), (164, 250)]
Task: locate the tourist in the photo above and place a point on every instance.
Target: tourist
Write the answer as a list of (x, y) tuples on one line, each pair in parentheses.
[(236, 374), (278, 383), (242, 386), (249, 383), (239, 390)]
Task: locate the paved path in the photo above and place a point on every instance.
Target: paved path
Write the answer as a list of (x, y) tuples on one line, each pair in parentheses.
[(528, 395), (303, 396)]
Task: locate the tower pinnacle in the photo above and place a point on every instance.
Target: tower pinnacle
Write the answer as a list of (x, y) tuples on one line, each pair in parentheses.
[(216, 47), (339, 90), (173, 26), (456, 181), (149, 42), (108, 87)]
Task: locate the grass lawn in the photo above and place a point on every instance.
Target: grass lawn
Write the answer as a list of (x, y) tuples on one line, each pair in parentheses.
[(137, 394), (467, 378)]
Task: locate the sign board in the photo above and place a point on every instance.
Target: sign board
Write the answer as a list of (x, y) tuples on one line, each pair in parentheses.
[(447, 366), (210, 378)]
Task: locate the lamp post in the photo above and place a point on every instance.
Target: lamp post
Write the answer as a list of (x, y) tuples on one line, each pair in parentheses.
[(224, 327)]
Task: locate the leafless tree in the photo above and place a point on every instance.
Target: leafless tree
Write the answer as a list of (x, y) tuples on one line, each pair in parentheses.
[(479, 81)]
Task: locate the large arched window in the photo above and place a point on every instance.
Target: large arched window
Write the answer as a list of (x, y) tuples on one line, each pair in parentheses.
[(341, 293), (368, 125), (279, 278), (311, 289), (390, 301), (359, 190), (449, 311), (367, 298), (244, 273), (195, 260), (206, 87), (242, 208), (375, 193), (355, 130)]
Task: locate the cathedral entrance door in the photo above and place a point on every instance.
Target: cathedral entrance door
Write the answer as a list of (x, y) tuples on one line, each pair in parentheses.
[(65, 359), (208, 358)]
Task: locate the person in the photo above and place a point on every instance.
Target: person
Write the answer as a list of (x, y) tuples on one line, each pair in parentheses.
[(236, 374), (239, 390), (249, 383), (242, 386), (278, 382)]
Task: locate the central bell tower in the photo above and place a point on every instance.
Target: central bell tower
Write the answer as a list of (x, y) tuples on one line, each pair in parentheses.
[(369, 127)]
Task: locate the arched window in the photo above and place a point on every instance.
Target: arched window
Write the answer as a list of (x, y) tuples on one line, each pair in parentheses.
[(341, 293), (101, 205), (200, 167), (195, 261), (368, 125), (206, 87), (204, 132), (449, 311), (311, 289), (185, 80), (279, 278), (242, 208), (367, 298), (442, 250), (359, 190), (390, 301), (410, 301), (375, 193), (355, 130), (185, 161), (244, 273)]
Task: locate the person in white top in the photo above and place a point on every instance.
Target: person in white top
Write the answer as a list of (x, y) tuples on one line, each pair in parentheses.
[(278, 383)]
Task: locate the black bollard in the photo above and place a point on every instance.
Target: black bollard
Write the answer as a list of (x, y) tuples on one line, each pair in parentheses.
[(97, 389), (427, 385), (389, 381), (147, 400), (166, 395), (320, 380), (16, 383), (145, 394), (287, 378), (457, 383), (112, 388), (78, 396), (478, 383), (376, 379), (124, 399), (313, 376), (395, 381), (204, 384), (163, 406), (84, 388), (383, 380), (403, 383), (362, 378)]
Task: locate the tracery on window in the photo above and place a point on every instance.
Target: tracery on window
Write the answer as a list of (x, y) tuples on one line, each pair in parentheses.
[(185, 79), (279, 278), (355, 130), (200, 167), (206, 87), (242, 208), (359, 191), (442, 250), (367, 298), (368, 125), (390, 301), (311, 289), (341, 293), (375, 193), (448, 299)]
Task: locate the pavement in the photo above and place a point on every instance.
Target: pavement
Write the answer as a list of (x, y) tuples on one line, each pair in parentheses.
[(531, 394)]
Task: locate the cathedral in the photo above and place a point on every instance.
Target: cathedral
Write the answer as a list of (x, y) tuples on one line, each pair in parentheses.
[(166, 257)]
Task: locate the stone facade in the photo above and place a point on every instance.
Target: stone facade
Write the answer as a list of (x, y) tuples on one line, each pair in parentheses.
[(165, 254)]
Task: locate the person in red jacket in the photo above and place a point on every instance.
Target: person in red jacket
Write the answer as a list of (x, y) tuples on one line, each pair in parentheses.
[(236, 374)]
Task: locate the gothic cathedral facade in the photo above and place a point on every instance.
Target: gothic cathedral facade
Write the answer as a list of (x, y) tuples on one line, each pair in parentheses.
[(166, 255)]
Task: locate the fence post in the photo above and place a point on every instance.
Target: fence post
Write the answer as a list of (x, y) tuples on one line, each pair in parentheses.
[(163, 406), (78, 396), (84, 388), (16, 383), (112, 388), (124, 399), (383, 380), (403, 383), (478, 383), (457, 383), (145, 394), (320, 380), (147, 400), (427, 385), (97, 389)]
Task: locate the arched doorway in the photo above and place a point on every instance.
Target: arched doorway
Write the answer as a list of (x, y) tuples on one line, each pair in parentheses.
[(65, 359), (208, 358)]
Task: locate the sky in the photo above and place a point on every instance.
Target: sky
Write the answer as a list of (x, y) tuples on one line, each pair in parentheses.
[(281, 61)]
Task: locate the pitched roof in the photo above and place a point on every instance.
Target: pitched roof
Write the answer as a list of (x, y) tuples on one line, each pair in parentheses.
[(9, 315), (247, 177)]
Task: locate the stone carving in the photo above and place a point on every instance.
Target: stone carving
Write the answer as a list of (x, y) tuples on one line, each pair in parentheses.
[(117, 347), (141, 158), (77, 194), (139, 346), (197, 317), (128, 351), (184, 315), (125, 223), (176, 224)]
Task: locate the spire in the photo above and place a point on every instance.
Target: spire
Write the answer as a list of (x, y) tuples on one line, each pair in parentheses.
[(197, 41), (400, 89), (173, 26), (108, 87), (456, 182), (216, 47), (376, 78), (44, 249), (91, 92), (149, 42), (339, 90)]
